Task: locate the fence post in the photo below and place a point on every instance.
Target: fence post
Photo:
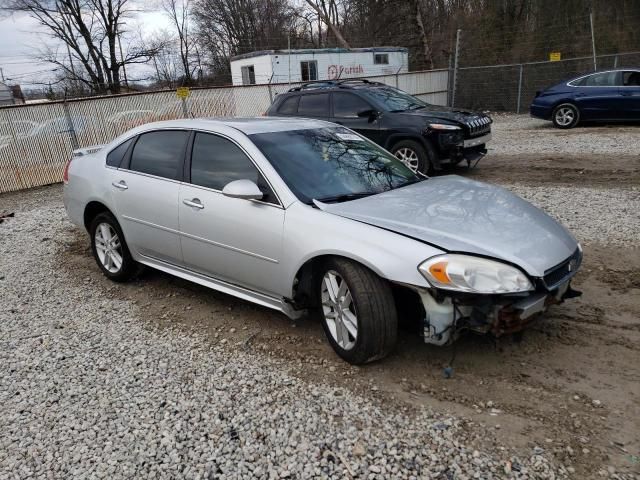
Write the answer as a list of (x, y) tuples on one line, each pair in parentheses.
[(455, 69), (397, 75), (185, 110), (519, 88), (615, 61), (72, 131), (593, 42)]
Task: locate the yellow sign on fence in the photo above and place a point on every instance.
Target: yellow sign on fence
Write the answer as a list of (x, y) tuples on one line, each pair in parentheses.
[(183, 92), (555, 57)]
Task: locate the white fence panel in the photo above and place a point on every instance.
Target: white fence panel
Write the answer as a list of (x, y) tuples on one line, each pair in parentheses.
[(37, 140)]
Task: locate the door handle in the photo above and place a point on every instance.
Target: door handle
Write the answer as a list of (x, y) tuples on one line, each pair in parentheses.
[(196, 203), (122, 185)]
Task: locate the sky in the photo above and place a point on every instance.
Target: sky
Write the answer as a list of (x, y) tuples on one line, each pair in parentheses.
[(21, 37)]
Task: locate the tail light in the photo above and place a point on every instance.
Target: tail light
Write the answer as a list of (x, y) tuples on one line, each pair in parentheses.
[(65, 173)]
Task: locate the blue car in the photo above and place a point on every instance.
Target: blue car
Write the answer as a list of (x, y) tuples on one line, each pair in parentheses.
[(610, 96)]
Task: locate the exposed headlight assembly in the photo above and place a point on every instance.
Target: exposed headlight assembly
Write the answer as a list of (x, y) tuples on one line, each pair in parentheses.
[(465, 273), (443, 126)]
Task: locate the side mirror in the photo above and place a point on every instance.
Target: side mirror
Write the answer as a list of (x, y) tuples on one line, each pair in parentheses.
[(245, 189), (370, 113)]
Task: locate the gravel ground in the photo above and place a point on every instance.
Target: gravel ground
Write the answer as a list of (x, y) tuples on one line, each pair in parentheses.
[(521, 134), (90, 390), (593, 215), (99, 380)]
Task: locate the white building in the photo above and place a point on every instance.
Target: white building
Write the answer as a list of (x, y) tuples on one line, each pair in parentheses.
[(283, 66)]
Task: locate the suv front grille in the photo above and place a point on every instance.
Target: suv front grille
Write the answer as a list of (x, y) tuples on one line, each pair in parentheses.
[(563, 272), (478, 126)]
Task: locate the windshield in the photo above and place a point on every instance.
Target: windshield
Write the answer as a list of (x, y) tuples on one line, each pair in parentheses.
[(394, 100), (332, 164)]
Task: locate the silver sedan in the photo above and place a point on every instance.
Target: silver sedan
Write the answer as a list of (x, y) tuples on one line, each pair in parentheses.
[(307, 216)]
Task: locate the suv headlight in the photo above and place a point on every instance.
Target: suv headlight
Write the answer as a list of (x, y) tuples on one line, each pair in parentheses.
[(443, 126), (464, 273)]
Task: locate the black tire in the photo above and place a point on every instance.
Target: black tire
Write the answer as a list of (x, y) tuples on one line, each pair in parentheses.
[(424, 154), (374, 307), (129, 267), (565, 115)]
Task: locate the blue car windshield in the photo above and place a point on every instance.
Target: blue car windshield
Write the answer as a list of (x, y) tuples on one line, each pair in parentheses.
[(332, 164)]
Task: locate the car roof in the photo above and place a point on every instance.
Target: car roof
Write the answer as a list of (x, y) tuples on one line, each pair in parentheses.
[(247, 125)]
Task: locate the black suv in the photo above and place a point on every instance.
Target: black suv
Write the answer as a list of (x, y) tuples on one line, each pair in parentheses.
[(425, 137)]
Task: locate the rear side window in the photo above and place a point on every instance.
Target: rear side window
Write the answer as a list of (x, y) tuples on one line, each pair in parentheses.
[(289, 106), (314, 105), (348, 105), (115, 156), (607, 79), (159, 153)]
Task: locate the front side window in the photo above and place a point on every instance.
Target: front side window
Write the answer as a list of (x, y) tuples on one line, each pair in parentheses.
[(216, 161), (159, 153), (316, 105), (348, 105), (394, 100), (631, 79), (331, 164), (309, 70), (115, 156), (248, 75)]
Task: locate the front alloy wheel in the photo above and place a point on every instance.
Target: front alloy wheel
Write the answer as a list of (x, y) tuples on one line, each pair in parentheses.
[(408, 157), (358, 311), (339, 310)]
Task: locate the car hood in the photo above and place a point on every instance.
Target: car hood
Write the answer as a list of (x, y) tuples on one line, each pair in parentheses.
[(443, 113), (460, 215)]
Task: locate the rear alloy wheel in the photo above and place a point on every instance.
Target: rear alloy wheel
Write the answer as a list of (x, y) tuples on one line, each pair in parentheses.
[(358, 312), (110, 249), (414, 155), (566, 115)]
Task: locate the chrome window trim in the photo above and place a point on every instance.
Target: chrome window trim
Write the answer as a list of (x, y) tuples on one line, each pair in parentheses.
[(570, 83)]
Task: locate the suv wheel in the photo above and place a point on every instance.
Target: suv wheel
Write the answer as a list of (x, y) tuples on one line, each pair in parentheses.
[(565, 115), (414, 155), (358, 312), (110, 249)]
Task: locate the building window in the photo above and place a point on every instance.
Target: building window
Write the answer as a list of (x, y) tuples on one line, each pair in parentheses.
[(381, 58), (248, 75), (309, 70)]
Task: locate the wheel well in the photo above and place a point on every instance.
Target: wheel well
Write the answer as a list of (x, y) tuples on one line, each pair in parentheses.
[(402, 137), (91, 210), (407, 301)]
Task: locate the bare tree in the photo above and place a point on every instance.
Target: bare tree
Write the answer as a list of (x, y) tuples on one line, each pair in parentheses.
[(327, 11), (179, 12), (91, 30), (231, 27)]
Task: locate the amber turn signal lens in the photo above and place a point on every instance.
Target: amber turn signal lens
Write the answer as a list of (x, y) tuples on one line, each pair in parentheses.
[(439, 272)]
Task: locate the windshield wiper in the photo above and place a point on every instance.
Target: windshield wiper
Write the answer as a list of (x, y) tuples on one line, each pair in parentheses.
[(344, 197)]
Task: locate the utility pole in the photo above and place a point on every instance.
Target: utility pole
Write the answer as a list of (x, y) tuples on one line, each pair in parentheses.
[(124, 69), (593, 42), (289, 50), (455, 69)]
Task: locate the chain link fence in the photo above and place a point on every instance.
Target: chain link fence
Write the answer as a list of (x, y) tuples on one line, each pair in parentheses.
[(37, 140), (512, 87)]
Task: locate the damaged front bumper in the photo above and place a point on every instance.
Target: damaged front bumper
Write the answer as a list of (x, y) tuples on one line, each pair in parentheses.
[(448, 315)]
